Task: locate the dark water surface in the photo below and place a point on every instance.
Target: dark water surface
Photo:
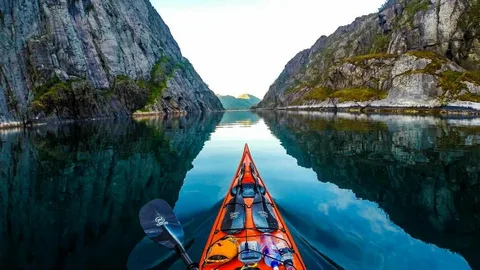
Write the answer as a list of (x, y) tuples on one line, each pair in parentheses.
[(371, 192)]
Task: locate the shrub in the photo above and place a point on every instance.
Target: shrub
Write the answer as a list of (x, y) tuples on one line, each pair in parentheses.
[(380, 43)]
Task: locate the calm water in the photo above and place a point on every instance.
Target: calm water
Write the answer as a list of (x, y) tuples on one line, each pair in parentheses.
[(371, 192)]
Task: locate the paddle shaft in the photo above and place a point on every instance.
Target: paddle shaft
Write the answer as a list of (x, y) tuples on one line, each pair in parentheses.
[(182, 253), (185, 258)]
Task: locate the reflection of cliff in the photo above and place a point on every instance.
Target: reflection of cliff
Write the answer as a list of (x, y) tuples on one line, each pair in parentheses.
[(70, 195), (422, 171)]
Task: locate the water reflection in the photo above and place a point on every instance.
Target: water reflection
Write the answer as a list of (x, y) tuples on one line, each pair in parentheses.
[(422, 171), (70, 194), (239, 118), (394, 192)]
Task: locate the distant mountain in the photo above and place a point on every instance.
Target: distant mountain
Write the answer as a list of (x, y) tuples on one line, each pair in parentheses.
[(242, 102)]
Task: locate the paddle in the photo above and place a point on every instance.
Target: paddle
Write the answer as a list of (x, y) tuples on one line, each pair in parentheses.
[(234, 220), (161, 225), (262, 212)]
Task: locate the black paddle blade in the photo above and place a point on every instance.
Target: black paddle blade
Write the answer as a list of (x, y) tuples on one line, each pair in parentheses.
[(262, 212), (234, 220), (160, 223)]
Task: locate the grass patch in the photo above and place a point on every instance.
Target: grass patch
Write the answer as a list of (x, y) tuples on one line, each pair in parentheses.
[(350, 94), (158, 79), (436, 62), (380, 43), (45, 88), (317, 93), (426, 54), (453, 82), (121, 78), (361, 60), (433, 67), (472, 76), (298, 86), (163, 70), (52, 95), (450, 81), (414, 7), (359, 94), (469, 97), (142, 83), (160, 67)]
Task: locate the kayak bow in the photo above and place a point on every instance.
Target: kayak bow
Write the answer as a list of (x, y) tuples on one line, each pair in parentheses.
[(248, 215)]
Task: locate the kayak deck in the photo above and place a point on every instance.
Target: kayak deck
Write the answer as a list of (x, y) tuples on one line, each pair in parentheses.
[(248, 176)]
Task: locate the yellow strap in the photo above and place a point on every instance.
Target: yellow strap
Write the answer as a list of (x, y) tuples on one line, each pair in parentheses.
[(249, 266)]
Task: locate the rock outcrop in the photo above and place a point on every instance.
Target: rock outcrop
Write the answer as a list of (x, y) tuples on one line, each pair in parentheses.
[(412, 53), (70, 194), (423, 171), (92, 58)]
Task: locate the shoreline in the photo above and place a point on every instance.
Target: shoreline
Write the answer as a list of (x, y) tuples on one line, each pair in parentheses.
[(421, 111), (433, 111), (136, 115)]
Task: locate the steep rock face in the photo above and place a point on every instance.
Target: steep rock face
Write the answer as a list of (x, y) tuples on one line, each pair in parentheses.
[(82, 186), (421, 170), (45, 43), (353, 67)]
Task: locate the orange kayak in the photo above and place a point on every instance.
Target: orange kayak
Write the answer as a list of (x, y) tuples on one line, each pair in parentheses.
[(249, 217)]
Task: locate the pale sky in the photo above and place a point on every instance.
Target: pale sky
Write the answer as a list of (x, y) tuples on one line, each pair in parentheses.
[(242, 46)]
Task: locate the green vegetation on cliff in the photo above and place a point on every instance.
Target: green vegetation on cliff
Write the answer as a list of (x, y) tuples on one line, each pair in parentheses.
[(453, 82), (56, 95), (359, 94), (161, 72), (366, 59), (318, 93), (361, 60), (413, 7), (380, 43)]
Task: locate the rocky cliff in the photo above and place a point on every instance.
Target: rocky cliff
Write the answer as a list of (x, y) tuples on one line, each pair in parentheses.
[(91, 58), (70, 194), (423, 171), (412, 53)]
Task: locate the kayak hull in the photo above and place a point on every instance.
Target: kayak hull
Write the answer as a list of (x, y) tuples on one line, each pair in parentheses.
[(249, 176)]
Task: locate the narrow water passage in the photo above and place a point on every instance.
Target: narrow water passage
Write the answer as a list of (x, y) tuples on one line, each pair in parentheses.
[(371, 192)]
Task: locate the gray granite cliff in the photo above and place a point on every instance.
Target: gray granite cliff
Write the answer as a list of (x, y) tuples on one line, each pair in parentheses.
[(76, 59), (411, 53)]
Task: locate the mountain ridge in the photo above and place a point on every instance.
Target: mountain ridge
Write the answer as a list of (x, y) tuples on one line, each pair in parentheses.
[(412, 53), (242, 102)]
